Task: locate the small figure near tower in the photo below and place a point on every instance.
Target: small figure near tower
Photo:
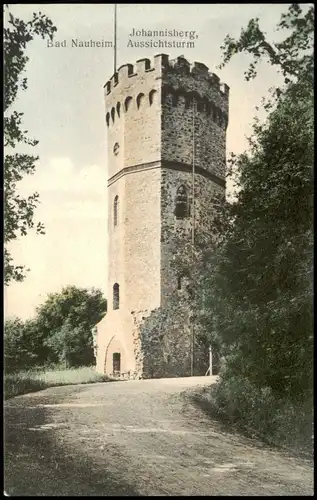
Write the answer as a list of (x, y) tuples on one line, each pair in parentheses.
[(162, 117)]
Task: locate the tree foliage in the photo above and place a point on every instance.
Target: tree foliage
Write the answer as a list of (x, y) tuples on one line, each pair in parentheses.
[(18, 211), (19, 345), (260, 294), (71, 346), (61, 331), (67, 318), (292, 57)]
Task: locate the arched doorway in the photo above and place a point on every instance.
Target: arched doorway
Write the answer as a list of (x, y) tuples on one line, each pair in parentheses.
[(116, 363)]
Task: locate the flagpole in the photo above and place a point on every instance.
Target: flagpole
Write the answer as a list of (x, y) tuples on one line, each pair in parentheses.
[(115, 40), (193, 239)]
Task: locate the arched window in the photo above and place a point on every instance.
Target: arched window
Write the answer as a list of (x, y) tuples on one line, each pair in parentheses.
[(127, 103), (181, 203), (113, 112), (118, 109), (217, 116), (139, 100), (152, 96), (115, 296), (107, 119), (214, 114), (225, 119), (115, 210), (182, 280), (219, 121)]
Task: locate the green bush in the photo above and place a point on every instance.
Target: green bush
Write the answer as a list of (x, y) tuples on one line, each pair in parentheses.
[(261, 413), (60, 333), (19, 345)]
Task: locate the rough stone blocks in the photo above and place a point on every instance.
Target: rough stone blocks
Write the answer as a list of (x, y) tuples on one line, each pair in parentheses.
[(164, 118)]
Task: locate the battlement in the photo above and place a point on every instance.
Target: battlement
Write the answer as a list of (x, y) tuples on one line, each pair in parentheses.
[(161, 65), (177, 82), (199, 71)]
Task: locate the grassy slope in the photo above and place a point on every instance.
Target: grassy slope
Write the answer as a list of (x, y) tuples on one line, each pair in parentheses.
[(35, 380)]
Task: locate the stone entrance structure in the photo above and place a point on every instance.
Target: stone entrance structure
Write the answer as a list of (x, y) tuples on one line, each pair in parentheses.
[(161, 115)]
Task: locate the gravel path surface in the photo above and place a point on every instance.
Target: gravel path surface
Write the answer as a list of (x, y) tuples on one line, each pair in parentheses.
[(137, 438)]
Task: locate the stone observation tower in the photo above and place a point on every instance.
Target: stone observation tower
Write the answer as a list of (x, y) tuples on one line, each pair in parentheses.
[(166, 123)]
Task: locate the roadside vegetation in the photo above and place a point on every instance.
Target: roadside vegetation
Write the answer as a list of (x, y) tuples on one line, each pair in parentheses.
[(23, 382), (57, 346), (61, 333), (259, 289), (258, 413)]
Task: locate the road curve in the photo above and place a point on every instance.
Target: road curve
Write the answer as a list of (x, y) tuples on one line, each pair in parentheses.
[(142, 438)]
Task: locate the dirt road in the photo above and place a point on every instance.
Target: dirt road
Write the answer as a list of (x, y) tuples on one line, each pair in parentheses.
[(136, 438)]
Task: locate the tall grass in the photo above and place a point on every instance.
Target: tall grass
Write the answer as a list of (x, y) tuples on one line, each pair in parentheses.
[(258, 413), (40, 378)]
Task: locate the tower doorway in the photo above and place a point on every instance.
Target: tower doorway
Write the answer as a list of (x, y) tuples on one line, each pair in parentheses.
[(116, 363)]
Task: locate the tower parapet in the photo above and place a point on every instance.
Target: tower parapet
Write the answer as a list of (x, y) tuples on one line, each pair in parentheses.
[(149, 108), (186, 78), (179, 73), (131, 74)]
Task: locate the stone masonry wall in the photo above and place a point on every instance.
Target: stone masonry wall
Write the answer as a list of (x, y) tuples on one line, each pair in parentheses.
[(133, 117), (162, 342), (181, 84), (149, 116), (186, 138)]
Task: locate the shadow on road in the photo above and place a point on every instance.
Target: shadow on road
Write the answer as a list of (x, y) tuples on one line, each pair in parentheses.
[(35, 464)]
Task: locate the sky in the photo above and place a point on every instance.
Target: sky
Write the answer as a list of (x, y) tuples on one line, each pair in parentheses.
[(64, 109)]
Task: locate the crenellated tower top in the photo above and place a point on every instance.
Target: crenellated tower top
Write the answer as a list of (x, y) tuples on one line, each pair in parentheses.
[(151, 101), (177, 77), (178, 71)]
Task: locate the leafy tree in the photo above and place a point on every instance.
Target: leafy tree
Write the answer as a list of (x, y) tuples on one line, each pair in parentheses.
[(261, 291), (292, 58), (19, 348), (18, 211), (65, 321), (34, 339), (69, 345)]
